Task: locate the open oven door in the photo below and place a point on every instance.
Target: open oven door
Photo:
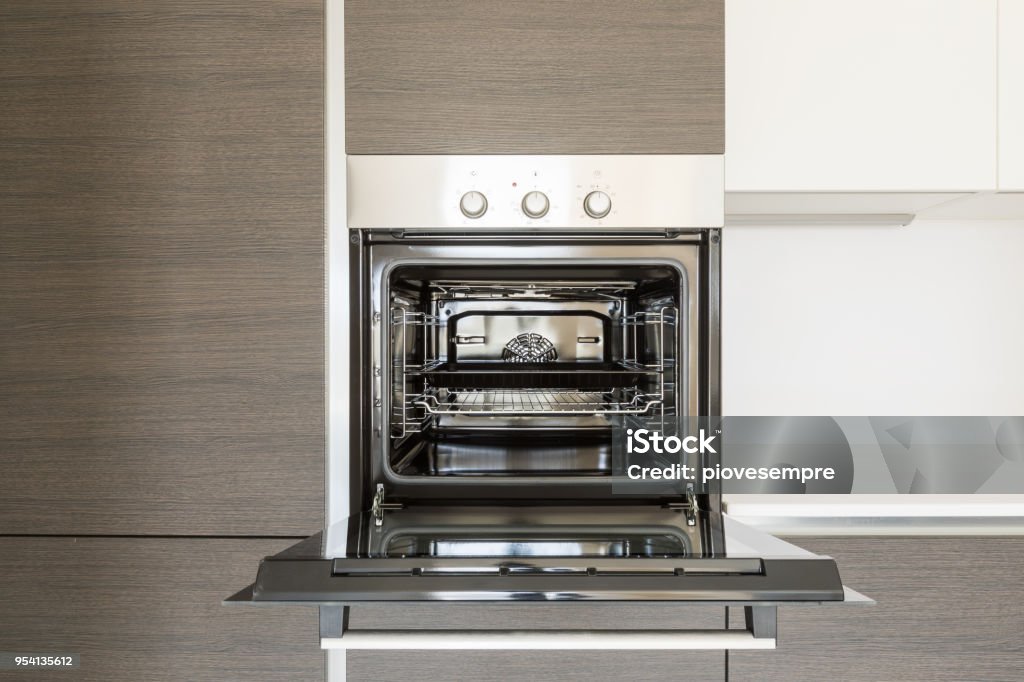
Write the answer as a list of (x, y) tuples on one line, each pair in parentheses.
[(546, 554)]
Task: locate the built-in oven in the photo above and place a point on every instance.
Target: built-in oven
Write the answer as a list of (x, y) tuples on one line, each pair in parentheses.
[(499, 361)]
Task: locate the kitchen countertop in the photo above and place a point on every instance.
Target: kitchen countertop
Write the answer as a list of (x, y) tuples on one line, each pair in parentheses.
[(883, 514)]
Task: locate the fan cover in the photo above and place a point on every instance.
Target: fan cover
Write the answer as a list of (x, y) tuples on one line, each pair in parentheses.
[(529, 347)]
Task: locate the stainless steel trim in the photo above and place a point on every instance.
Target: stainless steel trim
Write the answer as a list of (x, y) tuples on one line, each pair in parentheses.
[(546, 235), (712, 279), (541, 565), (681, 252), (559, 640), (647, 191)]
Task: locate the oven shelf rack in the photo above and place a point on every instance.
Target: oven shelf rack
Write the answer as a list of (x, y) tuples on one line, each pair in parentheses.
[(497, 376), (535, 402)]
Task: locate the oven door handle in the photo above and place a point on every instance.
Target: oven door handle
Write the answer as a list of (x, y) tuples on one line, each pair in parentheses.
[(759, 633), (567, 640)]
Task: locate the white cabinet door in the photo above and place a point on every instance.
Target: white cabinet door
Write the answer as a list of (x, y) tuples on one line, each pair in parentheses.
[(1011, 95), (861, 95)]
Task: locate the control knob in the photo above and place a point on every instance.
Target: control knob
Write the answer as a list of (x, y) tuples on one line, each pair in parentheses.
[(597, 204), (536, 204), (473, 204)]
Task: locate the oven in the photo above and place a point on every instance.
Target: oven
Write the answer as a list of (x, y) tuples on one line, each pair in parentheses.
[(502, 348)]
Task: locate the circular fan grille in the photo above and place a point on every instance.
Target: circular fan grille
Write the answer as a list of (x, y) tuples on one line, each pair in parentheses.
[(529, 347)]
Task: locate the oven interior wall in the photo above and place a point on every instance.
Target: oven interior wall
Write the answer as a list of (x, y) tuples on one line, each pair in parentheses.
[(522, 371)]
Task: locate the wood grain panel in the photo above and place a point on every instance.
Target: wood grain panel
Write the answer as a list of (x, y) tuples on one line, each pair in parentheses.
[(542, 666), (948, 609), (534, 77), (161, 267), (149, 609)]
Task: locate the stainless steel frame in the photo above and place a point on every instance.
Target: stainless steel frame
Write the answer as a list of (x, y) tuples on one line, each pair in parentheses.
[(378, 254)]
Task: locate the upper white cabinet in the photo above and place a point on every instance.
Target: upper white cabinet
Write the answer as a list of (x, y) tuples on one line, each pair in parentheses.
[(1011, 95), (871, 95)]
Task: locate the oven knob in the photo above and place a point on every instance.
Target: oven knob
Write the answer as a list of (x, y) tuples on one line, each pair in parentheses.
[(473, 204), (536, 204), (597, 204)]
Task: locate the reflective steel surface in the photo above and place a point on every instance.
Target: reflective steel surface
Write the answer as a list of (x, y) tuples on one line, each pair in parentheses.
[(426, 191), (459, 531), (416, 460)]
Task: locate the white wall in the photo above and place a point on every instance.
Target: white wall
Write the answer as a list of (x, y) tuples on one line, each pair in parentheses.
[(922, 320)]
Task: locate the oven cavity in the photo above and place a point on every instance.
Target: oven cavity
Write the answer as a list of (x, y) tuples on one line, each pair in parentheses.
[(524, 372)]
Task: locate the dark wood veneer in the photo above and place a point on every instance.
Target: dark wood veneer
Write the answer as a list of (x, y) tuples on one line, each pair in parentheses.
[(161, 267), (534, 77), (149, 609), (949, 609)]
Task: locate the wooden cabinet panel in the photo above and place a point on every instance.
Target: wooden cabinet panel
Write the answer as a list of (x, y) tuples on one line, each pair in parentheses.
[(149, 609), (543, 666), (948, 609), (860, 95), (161, 267), (534, 77)]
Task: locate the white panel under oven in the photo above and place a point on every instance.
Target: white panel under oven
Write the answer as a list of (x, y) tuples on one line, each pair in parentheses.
[(644, 191)]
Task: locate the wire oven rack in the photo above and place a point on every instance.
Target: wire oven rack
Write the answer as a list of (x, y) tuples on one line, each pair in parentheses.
[(412, 411), (536, 401)]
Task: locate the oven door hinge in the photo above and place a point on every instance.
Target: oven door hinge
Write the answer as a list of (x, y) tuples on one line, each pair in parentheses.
[(380, 506), (689, 506)]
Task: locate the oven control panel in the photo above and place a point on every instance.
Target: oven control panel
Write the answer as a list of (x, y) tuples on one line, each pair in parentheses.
[(537, 192)]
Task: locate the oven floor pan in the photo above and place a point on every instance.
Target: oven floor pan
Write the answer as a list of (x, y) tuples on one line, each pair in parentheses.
[(523, 531), (565, 375), (554, 455), (544, 542)]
